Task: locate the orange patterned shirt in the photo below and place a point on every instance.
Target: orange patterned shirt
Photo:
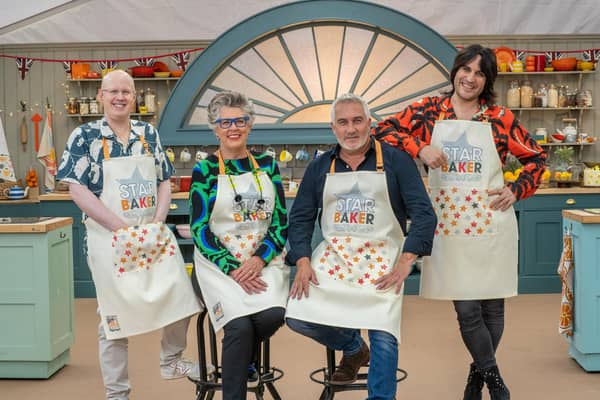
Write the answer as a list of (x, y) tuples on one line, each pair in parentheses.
[(410, 130)]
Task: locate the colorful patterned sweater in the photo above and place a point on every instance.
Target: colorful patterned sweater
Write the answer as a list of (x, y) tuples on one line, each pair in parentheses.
[(411, 129), (203, 193)]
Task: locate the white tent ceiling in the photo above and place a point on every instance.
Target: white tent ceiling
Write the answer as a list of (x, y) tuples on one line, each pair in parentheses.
[(59, 21)]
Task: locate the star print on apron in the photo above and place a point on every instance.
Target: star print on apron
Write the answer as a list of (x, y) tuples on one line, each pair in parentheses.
[(475, 253), (241, 227), (361, 241), (139, 273)]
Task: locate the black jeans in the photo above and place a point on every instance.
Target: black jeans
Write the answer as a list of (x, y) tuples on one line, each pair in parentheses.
[(481, 326), (242, 336)]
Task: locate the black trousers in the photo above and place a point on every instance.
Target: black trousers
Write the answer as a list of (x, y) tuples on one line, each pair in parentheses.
[(241, 337), (481, 326)]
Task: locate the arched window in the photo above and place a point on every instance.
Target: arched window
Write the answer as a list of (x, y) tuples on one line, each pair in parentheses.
[(293, 61)]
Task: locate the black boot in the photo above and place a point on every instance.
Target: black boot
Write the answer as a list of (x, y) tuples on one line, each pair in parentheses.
[(495, 384), (474, 384)]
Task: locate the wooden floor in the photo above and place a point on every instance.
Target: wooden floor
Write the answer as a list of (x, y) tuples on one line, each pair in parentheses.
[(533, 359)]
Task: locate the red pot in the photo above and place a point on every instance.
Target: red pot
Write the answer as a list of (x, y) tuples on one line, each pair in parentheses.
[(142, 72)]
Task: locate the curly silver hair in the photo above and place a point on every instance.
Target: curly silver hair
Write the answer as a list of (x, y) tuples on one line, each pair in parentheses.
[(228, 99)]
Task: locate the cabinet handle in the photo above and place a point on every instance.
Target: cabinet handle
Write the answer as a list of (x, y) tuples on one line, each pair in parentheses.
[(62, 235), (173, 206), (570, 202)]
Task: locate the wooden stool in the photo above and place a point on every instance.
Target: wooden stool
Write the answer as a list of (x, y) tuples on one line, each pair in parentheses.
[(330, 389), (208, 384)]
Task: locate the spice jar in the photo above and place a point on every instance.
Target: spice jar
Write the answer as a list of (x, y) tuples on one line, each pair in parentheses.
[(552, 96), (72, 106), (84, 106), (140, 100), (526, 94), (513, 95), (541, 135), (150, 100)]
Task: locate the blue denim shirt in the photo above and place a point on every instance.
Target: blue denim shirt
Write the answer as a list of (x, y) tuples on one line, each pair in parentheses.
[(405, 187), (82, 159)]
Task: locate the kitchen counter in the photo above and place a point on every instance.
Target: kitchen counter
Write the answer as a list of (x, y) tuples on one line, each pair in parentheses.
[(20, 225), (58, 196)]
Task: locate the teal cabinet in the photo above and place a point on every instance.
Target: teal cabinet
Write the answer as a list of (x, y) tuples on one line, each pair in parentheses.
[(36, 298), (585, 231), (540, 238), (82, 275)]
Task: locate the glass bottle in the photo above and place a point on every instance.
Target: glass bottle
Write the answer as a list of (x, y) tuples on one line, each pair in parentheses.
[(140, 100), (552, 96), (93, 106), (542, 95), (150, 100), (513, 95), (526, 94)]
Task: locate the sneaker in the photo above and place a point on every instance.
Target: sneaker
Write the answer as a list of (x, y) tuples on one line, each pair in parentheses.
[(181, 368), (347, 372), (253, 377)]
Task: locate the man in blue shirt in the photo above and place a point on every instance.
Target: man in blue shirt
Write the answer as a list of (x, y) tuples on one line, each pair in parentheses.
[(362, 192)]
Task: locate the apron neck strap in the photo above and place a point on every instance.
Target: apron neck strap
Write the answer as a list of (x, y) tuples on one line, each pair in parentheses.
[(378, 159), (442, 116), (222, 163), (107, 153)]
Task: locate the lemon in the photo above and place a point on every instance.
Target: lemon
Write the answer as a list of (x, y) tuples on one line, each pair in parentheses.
[(565, 176), (509, 176), (518, 171)]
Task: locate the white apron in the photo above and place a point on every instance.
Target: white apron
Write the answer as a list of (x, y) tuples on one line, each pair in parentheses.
[(139, 273), (474, 255), (362, 239), (241, 227)]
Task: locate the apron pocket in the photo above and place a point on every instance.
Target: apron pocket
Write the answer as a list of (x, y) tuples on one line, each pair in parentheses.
[(137, 248)]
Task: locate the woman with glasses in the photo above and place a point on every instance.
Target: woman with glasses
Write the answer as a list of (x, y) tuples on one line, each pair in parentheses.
[(239, 227)]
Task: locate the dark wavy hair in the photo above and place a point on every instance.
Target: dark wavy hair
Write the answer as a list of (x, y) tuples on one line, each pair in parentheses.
[(487, 65)]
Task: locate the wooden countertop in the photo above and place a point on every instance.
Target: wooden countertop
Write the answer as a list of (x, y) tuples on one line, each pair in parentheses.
[(582, 216), (36, 227)]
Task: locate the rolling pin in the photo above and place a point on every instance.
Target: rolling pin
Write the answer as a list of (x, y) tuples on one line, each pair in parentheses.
[(24, 133)]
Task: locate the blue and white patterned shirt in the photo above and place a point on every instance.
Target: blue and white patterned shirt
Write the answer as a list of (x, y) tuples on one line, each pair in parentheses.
[(82, 159)]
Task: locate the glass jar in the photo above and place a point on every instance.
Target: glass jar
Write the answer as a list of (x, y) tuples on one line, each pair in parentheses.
[(150, 100), (562, 96), (72, 106), (584, 98), (84, 106), (526, 94), (513, 95), (552, 96), (94, 106), (542, 95)]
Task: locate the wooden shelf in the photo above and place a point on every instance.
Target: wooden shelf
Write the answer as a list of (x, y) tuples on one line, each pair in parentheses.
[(565, 144), (550, 108), (135, 79), (548, 73)]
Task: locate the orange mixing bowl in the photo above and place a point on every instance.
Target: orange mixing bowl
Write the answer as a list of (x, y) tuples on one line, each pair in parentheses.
[(565, 64)]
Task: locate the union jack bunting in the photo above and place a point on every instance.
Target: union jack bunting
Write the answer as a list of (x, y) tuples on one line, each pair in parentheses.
[(24, 65), (181, 59), (591, 55), (67, 66), (144, 62), (553, 55), (107, 64)]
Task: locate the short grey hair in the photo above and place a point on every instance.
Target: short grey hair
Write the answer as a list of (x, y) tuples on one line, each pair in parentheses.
[(349, 98), (228, 99)]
